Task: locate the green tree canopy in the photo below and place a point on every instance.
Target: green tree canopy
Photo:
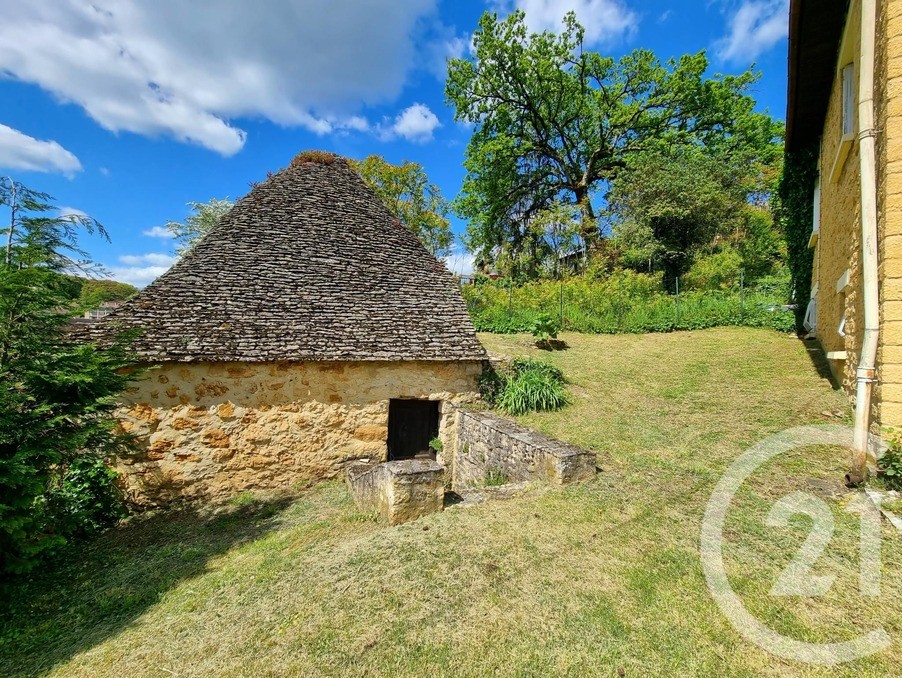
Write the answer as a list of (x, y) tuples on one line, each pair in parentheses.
[(418, 204), (203, 217), (554, 121), (95, 292), (669, 208)]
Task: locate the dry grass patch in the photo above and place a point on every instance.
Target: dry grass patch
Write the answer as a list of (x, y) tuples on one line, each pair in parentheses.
[(576, 581)]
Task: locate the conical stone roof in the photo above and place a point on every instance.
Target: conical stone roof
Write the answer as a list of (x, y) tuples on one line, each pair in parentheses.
[(310, 265)]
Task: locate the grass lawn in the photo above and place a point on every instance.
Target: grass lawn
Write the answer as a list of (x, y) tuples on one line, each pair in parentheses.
[(577, 581)]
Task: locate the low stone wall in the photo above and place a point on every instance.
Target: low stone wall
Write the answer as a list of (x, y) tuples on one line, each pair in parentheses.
[(399, 491), (212, 430), (489, 444)]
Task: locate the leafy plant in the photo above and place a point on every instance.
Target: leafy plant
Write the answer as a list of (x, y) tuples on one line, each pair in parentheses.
[(626, 302), (890, 466), (545, 327), (436, 444), (532, 386), (495, 477), (83, 499)]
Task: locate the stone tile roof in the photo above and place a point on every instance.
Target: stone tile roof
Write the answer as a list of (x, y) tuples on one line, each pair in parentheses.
[(310, 265)]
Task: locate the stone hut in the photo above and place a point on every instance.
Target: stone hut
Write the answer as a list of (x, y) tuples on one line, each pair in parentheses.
[(309, 329)]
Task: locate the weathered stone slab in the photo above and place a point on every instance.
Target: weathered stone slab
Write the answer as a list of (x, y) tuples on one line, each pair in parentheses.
[(488, 444), (399, 491)]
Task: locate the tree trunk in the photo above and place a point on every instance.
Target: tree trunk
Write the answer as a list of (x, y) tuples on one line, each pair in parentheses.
[(589, 230)]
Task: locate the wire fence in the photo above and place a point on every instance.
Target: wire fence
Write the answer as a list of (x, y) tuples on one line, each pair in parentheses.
[(628, 303)]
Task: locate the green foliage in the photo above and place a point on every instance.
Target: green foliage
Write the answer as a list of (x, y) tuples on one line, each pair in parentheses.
[(95, 292), (672, 204), (83, 498), (889, 468), (436, 444), (406, 192), (718, 271), (545, 327), (56, 398), (203, 217), (795, 214), (495, 477), (531, 386), (625, 302), (557, 122)]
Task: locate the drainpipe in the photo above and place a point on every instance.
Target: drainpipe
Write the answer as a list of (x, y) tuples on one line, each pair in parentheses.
[(867, 362)]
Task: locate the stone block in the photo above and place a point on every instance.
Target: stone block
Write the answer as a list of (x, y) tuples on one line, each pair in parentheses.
[(488, 444), (399, 491)]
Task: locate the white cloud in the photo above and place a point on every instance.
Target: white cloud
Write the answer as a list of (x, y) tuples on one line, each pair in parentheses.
[(444, 43), (460, 262), (755, 27), (71, 212), (186, 69), (158, 232), (415, 123), (604, 20), (141, 269), (19, 151), (154, 258)]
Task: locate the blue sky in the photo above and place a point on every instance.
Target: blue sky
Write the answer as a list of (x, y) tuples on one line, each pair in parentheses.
[(126, 110)]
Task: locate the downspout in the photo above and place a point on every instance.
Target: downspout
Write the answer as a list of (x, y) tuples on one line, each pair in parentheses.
[(867, 362)]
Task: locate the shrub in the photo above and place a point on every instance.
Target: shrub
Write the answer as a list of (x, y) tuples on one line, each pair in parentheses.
[(531, 386), (545, 328), (83, 498), (624, 302), (889, 468), (495, 477), (716, 271)]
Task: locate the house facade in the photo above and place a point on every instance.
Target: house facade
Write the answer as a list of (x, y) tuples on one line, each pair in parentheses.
[(845, 66), (309, 329)]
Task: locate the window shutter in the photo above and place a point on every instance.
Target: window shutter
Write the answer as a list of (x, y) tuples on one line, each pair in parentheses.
[(848, 99)]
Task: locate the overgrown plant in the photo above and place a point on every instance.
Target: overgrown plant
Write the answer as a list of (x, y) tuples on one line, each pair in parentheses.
[(495, 477), (889, 468), (530, 385), (56, 395), (545, 329)]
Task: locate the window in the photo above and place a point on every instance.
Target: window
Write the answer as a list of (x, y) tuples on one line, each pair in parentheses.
[(848, 99)]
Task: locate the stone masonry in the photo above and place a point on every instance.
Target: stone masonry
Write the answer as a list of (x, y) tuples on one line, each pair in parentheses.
[(399, 491), (212, 430), (489, 444)]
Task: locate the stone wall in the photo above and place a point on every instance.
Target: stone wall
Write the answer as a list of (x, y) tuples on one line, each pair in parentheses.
[(487, 443), (839, 244), (211, 430), (889, 184)]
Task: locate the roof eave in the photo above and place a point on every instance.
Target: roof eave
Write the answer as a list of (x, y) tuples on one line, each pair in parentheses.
[(815, 32)]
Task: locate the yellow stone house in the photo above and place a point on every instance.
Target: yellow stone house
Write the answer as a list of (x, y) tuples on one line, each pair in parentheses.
[(308, 330), (845, 109)]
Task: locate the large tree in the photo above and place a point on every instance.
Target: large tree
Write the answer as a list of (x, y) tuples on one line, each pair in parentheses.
[(554, 121), (406, 191)]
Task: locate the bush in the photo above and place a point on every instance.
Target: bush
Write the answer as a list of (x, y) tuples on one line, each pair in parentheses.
[(531, 386), (889, 468), (84, 499), (718, 271), (624, 302)]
